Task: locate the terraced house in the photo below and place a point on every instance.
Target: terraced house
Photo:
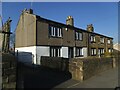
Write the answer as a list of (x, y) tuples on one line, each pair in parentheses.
[(43, 37)]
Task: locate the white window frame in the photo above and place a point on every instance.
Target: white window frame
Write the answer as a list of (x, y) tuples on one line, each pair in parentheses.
[(79, 51), (76, 33), (92, 38), (101, 51), (59, 32), (79, 35), (55, 31), (93, 51), (108, 41), (52, 31), (102, 40), (54, 50)]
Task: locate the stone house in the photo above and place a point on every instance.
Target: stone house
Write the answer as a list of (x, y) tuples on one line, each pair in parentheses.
[(38, 37)]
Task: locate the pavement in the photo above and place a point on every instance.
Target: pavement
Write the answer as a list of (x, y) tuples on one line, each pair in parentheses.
[(106, 79)]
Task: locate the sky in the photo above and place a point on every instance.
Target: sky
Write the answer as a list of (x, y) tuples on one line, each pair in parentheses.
[(103, 15)]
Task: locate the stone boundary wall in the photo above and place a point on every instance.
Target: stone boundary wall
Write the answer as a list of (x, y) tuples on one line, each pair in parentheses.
[(9, 66), (84, 68), (58, 63), (80, 68)]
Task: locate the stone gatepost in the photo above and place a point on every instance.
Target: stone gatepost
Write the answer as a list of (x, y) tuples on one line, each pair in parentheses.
[(76, 69)]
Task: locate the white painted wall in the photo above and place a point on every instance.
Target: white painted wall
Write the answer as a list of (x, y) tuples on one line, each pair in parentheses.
[(74, 48), (42, 51), (27, 54), (64, 52), (84, 51)]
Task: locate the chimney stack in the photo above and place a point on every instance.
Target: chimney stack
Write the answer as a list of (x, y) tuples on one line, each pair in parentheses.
[(90, 28), (30, 11), (70, 21)]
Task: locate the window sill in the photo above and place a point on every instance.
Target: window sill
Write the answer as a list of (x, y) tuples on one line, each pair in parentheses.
[(102, 43), (93, 42), (79, 56), (55, 37), (93, 55), (78, 40)]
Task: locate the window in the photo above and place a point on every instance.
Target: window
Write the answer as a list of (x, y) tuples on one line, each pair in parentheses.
[(59, 32), (102, 40), (79, 51), (55, 51), (78, 36), (55, 31), (92, 38), (93, 51), (100, 51), (108, 41), (112, 50)]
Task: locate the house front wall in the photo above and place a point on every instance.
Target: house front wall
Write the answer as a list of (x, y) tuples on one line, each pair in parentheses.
[(43, 37), (97, 44), (67, 40), (32, 37), (41, 51), (83, 42)]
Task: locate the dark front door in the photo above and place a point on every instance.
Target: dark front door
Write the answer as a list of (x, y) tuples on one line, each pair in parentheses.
[(70, 52)]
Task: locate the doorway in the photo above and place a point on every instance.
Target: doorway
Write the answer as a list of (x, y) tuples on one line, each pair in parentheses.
[(70, 52)]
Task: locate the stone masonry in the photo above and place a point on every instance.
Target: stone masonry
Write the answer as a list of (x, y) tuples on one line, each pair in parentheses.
[(9, 65), (84, 68)]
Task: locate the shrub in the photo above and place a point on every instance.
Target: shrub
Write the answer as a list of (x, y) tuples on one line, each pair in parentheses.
[(108, 54)]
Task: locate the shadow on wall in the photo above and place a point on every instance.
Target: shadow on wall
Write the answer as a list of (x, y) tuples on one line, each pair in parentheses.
[(57, 63), (40, 76)]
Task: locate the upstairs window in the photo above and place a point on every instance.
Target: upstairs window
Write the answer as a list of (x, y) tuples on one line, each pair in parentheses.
[(93, 51), (102, 40), (55, 31), (78, 36), (108, 41), (92, 38), (59, 32)]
